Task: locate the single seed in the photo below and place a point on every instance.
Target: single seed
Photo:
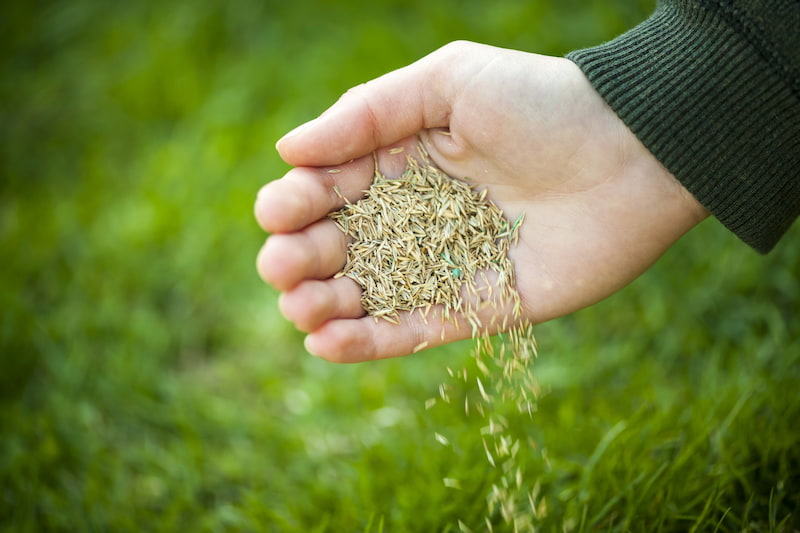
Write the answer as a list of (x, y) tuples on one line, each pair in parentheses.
[(451, 483), (420, 346)]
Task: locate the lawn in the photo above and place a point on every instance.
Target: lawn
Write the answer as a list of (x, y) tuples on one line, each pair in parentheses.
[(149, 383)]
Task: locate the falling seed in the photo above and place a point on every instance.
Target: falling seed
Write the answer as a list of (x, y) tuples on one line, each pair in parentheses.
[(482, 390), (489, 454), (452, 483), (443, 393), (426, 241)]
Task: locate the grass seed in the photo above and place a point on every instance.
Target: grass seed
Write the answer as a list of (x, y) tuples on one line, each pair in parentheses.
[(425, 239)]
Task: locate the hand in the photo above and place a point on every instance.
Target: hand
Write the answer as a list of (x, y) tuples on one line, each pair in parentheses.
[(600, 209)]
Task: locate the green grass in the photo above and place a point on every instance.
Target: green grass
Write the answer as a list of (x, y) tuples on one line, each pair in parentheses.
[(148, 382)]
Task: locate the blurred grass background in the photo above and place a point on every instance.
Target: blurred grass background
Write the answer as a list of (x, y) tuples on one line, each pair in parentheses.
[(149, 384)]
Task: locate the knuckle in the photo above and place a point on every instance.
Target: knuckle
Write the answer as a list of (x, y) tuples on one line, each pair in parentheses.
[(457, 48)]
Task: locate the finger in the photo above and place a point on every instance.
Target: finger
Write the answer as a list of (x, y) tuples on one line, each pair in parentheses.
[(305, 194), (384, 110), (317, 252), (368, 338), (312, 303)]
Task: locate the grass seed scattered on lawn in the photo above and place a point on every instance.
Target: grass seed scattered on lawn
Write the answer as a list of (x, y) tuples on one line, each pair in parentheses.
[(425, 240)]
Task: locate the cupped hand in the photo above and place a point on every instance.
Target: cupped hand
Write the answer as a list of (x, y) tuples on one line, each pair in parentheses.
[(599, 208)]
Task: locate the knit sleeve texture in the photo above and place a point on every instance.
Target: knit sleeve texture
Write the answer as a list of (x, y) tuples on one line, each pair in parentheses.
[(712, 89)]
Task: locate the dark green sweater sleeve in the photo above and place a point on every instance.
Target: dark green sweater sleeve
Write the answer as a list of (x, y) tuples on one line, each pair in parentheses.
[(712, 89)]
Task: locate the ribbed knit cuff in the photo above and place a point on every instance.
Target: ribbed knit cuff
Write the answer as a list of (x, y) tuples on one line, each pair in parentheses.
[(713, 110)]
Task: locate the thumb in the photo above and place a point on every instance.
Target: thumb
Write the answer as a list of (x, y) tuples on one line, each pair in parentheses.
[(375, 114)]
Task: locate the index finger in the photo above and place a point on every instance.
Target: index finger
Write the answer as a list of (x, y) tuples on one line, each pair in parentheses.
[(387, 109), (305, 194)]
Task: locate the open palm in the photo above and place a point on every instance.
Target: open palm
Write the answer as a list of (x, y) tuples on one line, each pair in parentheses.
[(599, 208)]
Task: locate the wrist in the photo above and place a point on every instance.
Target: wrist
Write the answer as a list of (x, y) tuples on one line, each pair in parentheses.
[(712, 109)]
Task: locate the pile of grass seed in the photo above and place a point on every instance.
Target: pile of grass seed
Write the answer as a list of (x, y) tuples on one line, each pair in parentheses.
[(425, 240)]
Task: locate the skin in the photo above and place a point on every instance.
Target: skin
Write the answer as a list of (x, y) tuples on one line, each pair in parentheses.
[(600, 209)]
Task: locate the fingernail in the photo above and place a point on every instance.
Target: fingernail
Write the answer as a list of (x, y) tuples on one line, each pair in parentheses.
[(307, 343), (299, 129)]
